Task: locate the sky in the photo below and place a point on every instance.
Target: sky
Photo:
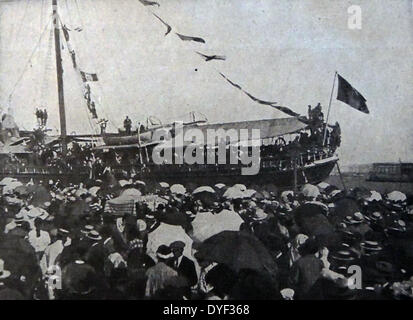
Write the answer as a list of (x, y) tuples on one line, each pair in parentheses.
[(278, 50)]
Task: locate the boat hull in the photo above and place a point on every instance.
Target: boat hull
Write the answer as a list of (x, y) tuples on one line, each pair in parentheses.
[(211, 174)]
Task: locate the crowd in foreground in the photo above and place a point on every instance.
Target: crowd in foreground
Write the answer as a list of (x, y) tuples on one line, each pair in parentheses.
[(130, 239)]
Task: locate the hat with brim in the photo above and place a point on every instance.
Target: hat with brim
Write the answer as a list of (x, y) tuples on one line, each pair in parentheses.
[(94, 235), (86, 229), (62, 232), (358, 217), (3, 272), (397, 226), (177, 245), (375, 217), (370, 246), (259, 215), (343, 256), (164, 252)]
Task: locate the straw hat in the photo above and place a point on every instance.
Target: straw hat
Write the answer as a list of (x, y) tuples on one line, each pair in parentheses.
[(94, 235), (259, 215), (3, 272)]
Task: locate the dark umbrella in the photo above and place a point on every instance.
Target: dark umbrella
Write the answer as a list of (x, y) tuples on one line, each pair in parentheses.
[(343, 207), (20, 259), (40, 195), (312, 221), (206, 195), (237, 250), (22, 190)]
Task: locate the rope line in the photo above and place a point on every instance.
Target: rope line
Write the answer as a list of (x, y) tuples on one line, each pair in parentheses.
[(27, 65)]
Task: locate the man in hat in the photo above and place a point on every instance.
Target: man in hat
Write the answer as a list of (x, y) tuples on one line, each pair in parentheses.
[(183, 265), (358, 224), (53, 251), (160, 274), (38, 238), (151, 222), (265, 228), (306, 270)]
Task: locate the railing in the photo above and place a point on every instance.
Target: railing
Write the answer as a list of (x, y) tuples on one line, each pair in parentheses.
[(37, 170), (268, 162)]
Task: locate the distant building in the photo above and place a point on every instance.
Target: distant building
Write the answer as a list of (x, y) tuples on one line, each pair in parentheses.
[(391, 172)]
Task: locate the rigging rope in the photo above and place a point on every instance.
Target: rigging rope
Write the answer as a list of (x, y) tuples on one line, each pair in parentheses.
[(48, 68), (22, 19), (26, 66)]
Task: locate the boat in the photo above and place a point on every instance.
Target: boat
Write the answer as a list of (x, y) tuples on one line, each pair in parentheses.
[(283, 159)]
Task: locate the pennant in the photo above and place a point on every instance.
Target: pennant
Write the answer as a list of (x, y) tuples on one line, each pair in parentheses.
[(347, 94), (149, 3), (89, 76), (274, 105), (213, 57), (248, 94), (189, 38), (66, 32), (168, 27)]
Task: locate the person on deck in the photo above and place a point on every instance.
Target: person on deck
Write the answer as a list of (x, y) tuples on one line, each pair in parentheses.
[(44, 119), (127, 124)]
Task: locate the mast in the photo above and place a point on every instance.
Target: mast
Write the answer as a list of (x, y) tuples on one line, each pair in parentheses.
[(59, 71)]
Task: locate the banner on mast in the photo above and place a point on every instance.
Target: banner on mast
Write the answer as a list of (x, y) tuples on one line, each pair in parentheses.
[(86, 77)]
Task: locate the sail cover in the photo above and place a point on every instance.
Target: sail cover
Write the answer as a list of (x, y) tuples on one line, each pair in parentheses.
[(268, 128)]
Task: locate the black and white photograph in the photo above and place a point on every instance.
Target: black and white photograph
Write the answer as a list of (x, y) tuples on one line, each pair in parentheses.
[(206, 150)]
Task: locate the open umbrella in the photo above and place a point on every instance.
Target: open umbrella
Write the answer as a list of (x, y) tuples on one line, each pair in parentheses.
[(374, 196), (220, 186), (166, 234), (178, 189), (203, 189), (164, 185), (7, 180), (206, 224), (152, 200), (240, 187), (249, 193), (206, 194), (310, 191), (40, 195), (22, 190), (396, 196), (11, 186), (94, 190), (237, 250), (233, 193), (121, 205), (323, 185), (131, 192)]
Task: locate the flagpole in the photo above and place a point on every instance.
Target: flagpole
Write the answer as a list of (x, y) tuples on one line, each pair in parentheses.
[(329, 107)]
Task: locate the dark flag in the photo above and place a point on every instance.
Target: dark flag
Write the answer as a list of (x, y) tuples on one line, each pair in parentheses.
[(89, 76), (347, 94)]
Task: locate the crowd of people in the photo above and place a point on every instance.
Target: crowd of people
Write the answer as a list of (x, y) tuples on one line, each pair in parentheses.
[(131, 239)]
